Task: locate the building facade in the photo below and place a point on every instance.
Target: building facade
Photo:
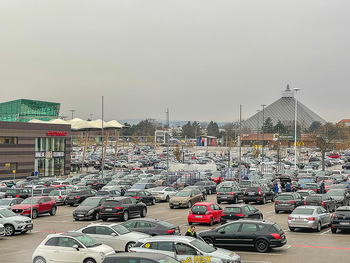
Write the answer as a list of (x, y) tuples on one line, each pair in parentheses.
[(34, 148)]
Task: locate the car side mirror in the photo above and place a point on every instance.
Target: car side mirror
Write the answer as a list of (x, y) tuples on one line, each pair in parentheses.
[(114, 234), (76, 247)]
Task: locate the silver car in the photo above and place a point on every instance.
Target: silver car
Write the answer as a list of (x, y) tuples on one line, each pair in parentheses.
[(163, 193), (59, 196), (314, 217)]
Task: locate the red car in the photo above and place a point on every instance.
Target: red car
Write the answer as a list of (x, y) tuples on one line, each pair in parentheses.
[(38, 205), (204, 212)]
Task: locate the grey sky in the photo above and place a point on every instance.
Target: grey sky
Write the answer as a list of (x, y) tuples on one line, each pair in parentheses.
[(199, 58)]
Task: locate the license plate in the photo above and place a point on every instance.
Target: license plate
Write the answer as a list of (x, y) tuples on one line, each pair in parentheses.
[(71, 197), (198, 216), (224, 197), (108, 209), (251, 193), (345, 223), (80, 215), (299, 219)]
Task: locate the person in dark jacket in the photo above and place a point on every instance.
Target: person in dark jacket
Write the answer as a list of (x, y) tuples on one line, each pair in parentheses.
[(191, 233), (288, 187), (322, 188)]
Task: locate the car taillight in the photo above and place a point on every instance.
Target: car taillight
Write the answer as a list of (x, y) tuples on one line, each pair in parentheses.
[(292, 202), (290, 218), (259, 192), (304, 202), (77, 197), (117, 208), (171, 231), (334, 216), (240, 215), (276, 236), (190, 212), (208, 212), (4, 196), (101, 207), (323, 203), (223, 214), (232, 193), (136, 197), (95, 184), (218, 193), (17, 195), (277, 202), (60, 197), (315, 190), (311, 218)]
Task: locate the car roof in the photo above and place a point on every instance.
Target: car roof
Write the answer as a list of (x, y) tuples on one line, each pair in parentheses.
[(169, 238), (118, 198), (308, 206), (342, 208), (236, 205), (204, 203), (155, 256)]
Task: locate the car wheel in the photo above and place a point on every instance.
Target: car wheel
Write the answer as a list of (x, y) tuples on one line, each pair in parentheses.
[(39, 260), (201, 200), (9, 230), (189, 205), (167, 199), (53, 210), (334, 230), (104, 218), (208, 240), (89, 260), (71, 204), (292, 229), (34, 213), (190, 223), (319, 227), (264, 200), (276, 211), (262, 246), (171, 207), (153, 201), (97, 216), (144, 212), (218, 201), (211, 222), (125, 216), (129, 246), (273, 199)]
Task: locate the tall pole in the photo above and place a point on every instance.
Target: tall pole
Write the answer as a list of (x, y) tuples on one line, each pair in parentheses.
[(240, 144), (90, 116), (72, 113), (102, 141), (257, 130), (263, 130), (167, 145), (295, 128)]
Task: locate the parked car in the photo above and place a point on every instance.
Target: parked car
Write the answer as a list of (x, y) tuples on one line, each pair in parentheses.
[(163, 193), (144, 186), (305, 193), (231, 194), (34, 206), (341, 219), (239, 211), (139, 257), (18, 192), (9, 202), (258, 194), (114, 235), (108, 193), (341, 196), (14, 223), (141, 196), (321, 200), (76, 197), (71, 247), (200, 188), (259, 234), (43, 191), (122, 207), (288, 201), (186, 198), (59, 196), (210, 186), (152, 226), (89, 208), (309, 217), (204, 212)]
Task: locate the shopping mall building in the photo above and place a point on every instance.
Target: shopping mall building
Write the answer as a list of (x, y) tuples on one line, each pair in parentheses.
[(32, 148)]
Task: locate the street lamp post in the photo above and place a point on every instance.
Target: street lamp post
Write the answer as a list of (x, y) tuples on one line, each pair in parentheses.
[(295, 127), (72, 113), (262, 139), (257, 130)]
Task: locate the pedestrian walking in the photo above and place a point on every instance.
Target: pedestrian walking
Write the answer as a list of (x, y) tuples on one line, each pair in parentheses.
[(276, 190), (288, 187), (322, 187), (191, 232)]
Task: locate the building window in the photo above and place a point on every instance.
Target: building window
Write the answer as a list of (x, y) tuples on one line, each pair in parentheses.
[(10, 167), (8, 140)]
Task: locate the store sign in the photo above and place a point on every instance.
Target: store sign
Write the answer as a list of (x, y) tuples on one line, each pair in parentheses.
[(56, 133), (57, 154), (40, 155), (49, 154)]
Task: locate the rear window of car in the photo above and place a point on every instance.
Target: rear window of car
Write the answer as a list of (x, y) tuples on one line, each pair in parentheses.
[(236, 210), (112, 203), (201, 209), (343, 213), (314, 198), (303, 211), (225, 189), (131, 193), (11, 191), (275, 228), (253, 189), (284, 197)]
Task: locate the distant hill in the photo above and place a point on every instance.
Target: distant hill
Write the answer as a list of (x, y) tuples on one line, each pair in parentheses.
[(172, 122)]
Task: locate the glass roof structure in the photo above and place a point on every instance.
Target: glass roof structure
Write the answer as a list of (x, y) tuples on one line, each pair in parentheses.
[(24, 110), (283, 110)]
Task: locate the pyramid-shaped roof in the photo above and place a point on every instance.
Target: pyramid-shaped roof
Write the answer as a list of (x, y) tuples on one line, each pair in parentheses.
[(284, 110)]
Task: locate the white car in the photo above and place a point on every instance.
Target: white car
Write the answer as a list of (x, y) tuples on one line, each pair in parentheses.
[(70, 247), (162, 193), (2, 230), (185, 249), (115, 235), (14, 223)]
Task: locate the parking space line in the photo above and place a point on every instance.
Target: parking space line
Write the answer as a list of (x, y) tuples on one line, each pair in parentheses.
[(254, 253), (252, 261), (325, 232), (303, 246)]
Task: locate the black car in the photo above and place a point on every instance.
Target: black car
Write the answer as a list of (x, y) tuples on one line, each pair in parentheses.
[(89, 208), (122, 207), (77, 197), (231, 194), (142, 196), (200, 188), (18, 192), (341, 219), (152, 226), (139, 257), (341, 196), (323, 200), (96, 184), (259, 194), (108, 193), (259, 234), (239, 211), (210, 186), (346, 166)]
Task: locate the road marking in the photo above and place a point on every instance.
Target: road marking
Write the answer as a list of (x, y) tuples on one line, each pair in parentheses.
[(270, 212), (254, 253), (303, 246), (325, 232), (252, 261)]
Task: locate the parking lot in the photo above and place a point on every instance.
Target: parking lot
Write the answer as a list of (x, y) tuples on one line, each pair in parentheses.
[(302, 246)]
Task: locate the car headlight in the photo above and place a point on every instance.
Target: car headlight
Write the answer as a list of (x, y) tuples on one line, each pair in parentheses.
[(102, 255), (90, 212), (19, 222), (184, 200), (26, 209)]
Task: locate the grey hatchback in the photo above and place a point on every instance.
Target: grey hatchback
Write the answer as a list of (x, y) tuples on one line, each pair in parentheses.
[(288, 201)]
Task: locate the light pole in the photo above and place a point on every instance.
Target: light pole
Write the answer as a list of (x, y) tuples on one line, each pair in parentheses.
[(72, 113), (262, 139), (90, 116), (257, 129), (295, 127)]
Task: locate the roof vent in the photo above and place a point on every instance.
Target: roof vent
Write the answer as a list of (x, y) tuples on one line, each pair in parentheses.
[(288, 93)]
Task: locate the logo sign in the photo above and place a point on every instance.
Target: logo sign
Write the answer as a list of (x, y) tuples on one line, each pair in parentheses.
[(48, 155), (56, 133)]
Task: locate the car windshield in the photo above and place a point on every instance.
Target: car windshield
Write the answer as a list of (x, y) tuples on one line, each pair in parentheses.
[(225, 189), (202, 246), (284, 197), (235, 210), (314, 198), (30, 201), (303, 194), (121, 230), (335, 193), (5, 202), (244, 183), (183, 194), (303, 211), (343, 213), (88, 241), (7, 213), (91, 202)]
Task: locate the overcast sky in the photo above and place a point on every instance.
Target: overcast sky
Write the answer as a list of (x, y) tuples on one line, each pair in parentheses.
[(199, 58)]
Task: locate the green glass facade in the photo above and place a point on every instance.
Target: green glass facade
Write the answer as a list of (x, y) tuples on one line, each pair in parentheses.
[(23, 110)]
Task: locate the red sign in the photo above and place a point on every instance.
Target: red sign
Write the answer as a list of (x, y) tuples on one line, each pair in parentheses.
[(56, 133)]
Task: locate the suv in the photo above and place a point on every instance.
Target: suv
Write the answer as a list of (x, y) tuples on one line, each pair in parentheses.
[(35, 206), (14, 223), (230, 194), (210, 186), (323, 200), (259, 194), (76, 197), (288, 201), (89, 208), (341, 219)]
